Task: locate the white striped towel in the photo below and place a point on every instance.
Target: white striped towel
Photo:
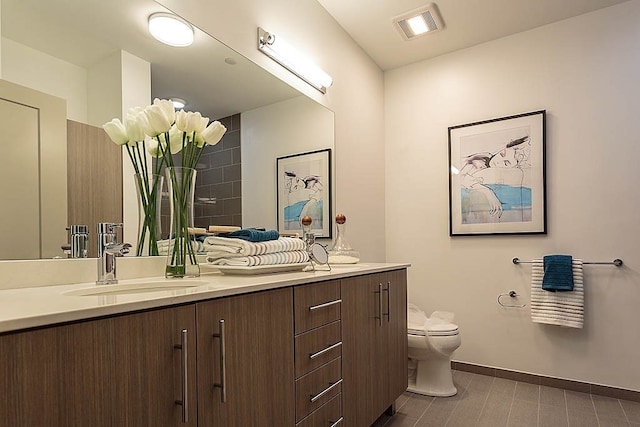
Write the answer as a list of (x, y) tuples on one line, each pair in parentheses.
[(288, 257), (557, 308), (163, 246), (223, 246)]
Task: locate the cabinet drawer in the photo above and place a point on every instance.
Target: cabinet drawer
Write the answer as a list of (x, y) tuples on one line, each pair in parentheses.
[(317, 347), (317, 388), (316, 305), (328, 415)]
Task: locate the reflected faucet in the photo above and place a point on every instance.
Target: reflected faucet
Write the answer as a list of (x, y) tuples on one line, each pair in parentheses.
[(108, 250)]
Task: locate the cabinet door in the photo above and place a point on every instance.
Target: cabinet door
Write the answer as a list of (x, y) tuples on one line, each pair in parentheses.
[(120, 371), (148, 368), (254, 384), (361, 340), (374, 336), (396, 319)]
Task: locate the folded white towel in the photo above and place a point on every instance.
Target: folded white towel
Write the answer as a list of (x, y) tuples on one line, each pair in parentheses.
[(226, 245), (557, 308), (163, 246), (288, 257)]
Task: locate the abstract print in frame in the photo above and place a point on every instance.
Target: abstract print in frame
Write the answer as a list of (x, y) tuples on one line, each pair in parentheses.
[(304, 189), (497, 176)]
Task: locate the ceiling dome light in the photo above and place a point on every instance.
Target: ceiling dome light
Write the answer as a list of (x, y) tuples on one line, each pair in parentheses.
[(170, 29), (178, 103)]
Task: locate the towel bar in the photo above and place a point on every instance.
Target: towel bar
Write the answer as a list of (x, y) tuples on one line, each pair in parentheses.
[(617, 262)]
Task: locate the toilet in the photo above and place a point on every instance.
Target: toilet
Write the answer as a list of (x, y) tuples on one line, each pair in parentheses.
[(432, 342)]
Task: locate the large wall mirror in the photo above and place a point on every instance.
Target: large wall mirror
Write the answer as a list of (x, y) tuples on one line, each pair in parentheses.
[(67, 49)]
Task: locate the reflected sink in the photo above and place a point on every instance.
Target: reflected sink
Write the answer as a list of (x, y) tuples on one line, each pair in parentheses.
[(136, 288)]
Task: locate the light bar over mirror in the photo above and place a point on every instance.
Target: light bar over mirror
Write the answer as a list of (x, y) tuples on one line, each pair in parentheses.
[(284, 54)]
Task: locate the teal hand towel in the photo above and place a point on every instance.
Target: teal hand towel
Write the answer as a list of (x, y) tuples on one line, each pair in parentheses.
[(253, 235), (558, 273)]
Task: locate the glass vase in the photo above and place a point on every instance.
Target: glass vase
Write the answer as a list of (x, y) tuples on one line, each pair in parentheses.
[(181, 255), (149, 190)]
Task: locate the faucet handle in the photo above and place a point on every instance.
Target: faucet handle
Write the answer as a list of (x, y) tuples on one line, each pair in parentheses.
[(108, 227)]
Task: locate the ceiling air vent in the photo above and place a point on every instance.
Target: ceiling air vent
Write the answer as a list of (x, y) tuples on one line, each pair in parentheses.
[(418, 22)]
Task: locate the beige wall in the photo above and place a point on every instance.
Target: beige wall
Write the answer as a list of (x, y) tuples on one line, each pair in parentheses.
[(356, 96), (584, 72), (297, 125)]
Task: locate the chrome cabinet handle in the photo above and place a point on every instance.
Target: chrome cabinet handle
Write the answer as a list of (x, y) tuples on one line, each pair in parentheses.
[(379, 292), (323, 351), (388, 313), (326, 304), (338, 421), (223, 368), (313, 398), (183, 365)]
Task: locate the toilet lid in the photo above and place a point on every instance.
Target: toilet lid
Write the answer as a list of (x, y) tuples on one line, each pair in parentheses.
[(444, 329)]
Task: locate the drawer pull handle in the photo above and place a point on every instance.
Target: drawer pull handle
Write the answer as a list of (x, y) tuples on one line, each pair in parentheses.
[(321, 352), (379, 292), (222, 385), (388, 291), (184, 402), (334, 424), (313, 398), (326, 304)]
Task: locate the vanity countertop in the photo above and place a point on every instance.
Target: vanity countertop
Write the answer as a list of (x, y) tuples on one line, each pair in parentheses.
[(37, 306)]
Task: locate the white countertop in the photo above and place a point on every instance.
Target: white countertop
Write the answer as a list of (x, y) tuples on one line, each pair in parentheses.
[(36, 306)]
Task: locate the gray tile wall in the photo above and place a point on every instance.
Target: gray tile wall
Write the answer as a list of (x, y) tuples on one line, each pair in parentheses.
[(218, 199)]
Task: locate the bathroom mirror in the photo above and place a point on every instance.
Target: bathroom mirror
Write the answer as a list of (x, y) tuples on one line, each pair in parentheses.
[(54, 46)]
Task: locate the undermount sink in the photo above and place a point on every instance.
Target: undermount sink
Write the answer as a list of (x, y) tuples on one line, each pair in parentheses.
[(136, 288)]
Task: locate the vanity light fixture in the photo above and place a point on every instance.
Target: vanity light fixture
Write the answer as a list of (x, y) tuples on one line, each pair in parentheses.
[(170, 29), (285, 55), (418, 22), (178, 103)]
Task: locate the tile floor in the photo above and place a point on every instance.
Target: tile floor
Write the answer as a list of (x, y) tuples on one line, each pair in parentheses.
[(492, 402)]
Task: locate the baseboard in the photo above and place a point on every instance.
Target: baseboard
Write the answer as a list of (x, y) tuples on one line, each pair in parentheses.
[(616, 393)]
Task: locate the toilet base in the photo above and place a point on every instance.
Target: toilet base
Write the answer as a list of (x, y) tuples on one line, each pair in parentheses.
[(433, 378)]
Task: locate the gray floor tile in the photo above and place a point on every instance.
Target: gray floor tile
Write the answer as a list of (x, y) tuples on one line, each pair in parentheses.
[(580, 402), (552, 415), (495, 412), (611, 422), (582, 419), (438, 412), (468, 410), (552, 396), (401, 420), (607, 407), (528, 392), (503, 387), (415, 406), (632, 410), (403, 399), (523, 413), (480, 383)]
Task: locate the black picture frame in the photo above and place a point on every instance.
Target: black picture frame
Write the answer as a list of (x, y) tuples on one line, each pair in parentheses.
[(303, 187), (497, 176)]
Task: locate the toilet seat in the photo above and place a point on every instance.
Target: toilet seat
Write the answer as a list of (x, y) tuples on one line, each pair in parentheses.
[(439, 330)]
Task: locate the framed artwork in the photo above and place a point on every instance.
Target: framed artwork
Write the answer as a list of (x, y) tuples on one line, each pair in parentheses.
[(304, 189), (497, 176)]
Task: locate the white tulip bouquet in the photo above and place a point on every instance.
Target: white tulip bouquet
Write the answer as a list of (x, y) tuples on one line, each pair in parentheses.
[(162, 132)]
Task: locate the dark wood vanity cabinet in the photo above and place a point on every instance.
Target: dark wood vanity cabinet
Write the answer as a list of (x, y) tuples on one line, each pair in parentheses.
[(319, 354), (374, 335), (119, 371)]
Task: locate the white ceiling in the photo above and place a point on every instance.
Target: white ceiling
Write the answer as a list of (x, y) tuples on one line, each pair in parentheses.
[(467, 23), (85, 32)]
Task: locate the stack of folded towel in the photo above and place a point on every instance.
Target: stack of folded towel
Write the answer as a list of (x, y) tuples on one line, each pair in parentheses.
[(163, 246), (557, 293), (240, 251)]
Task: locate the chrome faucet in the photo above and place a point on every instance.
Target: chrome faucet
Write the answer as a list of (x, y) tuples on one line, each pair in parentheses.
[(108, 250), (79, 240)]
